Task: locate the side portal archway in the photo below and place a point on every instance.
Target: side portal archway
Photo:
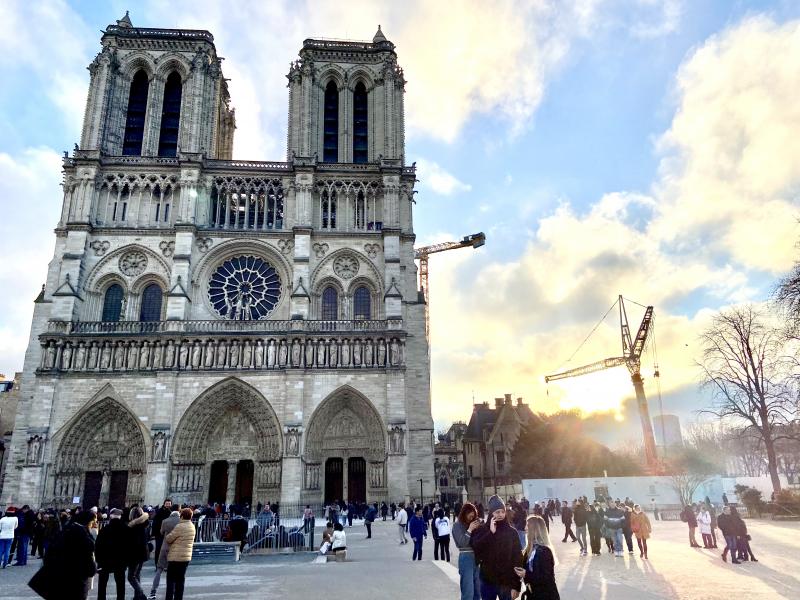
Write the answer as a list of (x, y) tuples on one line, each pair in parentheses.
[(227, 447), (345, 450)]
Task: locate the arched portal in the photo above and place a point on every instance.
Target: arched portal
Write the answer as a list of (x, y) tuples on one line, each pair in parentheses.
[(345, 450), (101, 458), (227, 448)]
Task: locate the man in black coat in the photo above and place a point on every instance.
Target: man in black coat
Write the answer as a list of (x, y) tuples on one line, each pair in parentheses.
[(163, 512), (138, 536), (111, 553), (566, 519), (498, 551)]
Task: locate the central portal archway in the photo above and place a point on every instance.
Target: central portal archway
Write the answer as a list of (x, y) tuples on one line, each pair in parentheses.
[(227, 448), (346, 444)]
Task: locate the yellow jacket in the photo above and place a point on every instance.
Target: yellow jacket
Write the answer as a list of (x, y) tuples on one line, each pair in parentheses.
[(181, 542)]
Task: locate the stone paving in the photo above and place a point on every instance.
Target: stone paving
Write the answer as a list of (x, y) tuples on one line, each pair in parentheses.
[(381, 568)]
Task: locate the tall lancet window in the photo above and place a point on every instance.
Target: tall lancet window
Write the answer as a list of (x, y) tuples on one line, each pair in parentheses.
[(170, 116), (330, 139), (112, 303), (360, 123), (134, 121)]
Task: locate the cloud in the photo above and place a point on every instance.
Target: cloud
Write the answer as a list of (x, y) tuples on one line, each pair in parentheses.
[(31, 193), (435, 178)]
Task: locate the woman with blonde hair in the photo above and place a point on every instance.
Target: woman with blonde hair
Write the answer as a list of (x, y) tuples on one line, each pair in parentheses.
[(540, 561)]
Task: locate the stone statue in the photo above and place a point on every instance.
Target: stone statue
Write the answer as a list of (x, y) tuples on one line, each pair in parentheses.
[(309, 354), (282, 354), (169, 355), (296, 353), (66, 357), (50, 356), (320, 353), (271, 355), (259, 355), (222, 350), (34, 450), (368, 353), (159, 446), (183, 356), (292, 442), (80, 357), (94, 351), (105, 357), (247, 355), (394, 352), (234, 358), (381, 353), (197, 350), (357, 353), (396, 440), (133, 356), (157, 353), (144, 355), (208, 359), (333, 353), (345, 362), (119, 356)]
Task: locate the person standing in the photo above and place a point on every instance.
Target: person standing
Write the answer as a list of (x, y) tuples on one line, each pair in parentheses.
[(442, 525), (181, 543), (434, 532), (713, 512), (8, 524), (688, 517), (23, 533), (566, 519), (614, 519), (417, 530), (594, 523), (581, 520), (498, 551), (641, 527), (654, 508), (402, 522), (167, 525), (163, 512), (137, 549), (704, 521), (627, 530), (539, 561), (369, 518), (728, 528), (110, 552), (742, 537), (384, 510), (466, 523)]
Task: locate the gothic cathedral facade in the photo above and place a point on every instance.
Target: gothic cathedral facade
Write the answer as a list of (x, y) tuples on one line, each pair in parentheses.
[(220, 330)]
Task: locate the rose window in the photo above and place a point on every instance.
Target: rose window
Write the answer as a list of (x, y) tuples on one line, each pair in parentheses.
[(244, 288)]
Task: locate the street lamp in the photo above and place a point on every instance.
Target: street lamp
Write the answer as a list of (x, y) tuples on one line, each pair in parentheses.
[(421, 499)]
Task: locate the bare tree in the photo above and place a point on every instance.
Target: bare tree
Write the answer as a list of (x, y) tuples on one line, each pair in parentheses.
[(745, 366), (688, 469)]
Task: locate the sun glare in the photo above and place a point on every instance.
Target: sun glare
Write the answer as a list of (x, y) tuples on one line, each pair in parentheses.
[(603, 391)]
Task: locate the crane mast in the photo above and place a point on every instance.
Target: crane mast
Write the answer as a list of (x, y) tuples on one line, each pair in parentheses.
[(632, 349), (476, 240)]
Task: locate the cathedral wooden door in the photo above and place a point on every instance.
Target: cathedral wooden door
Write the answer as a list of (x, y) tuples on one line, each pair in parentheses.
[(118, 489), (334, 479), (91, 489), (357, 480)]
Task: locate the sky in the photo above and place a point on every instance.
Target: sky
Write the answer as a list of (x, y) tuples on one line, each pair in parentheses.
[(649, 148)]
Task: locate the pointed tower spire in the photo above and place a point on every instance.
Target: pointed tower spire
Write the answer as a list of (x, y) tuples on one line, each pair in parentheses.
[(379, 37), (125, 21)]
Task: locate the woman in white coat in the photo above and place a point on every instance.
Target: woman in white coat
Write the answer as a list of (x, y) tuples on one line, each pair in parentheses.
[(704, 522)]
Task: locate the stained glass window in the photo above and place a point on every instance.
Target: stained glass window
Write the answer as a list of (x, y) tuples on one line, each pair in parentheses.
[(151, 303), (361, 304), (244, 288), (330, 304), (112, 303)]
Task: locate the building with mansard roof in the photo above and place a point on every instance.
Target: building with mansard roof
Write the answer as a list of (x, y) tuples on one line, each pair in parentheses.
[(220, 330)]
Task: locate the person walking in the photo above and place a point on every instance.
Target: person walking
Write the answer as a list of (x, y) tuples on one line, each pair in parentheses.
[(417, 530), (641, 527), (704, 521), (402, 522), (8, 524), (566, 519), (613, 520), (434, 532), (167, 525), (384, 510), (581, 521), (111, 554), (539, 562), (498, 551), (163, 512), (688, 517), (742, 537), (137, 549), (181, 543), (594, 523), (627, 530), (442, 525), (713, 512), (466, 523), (369, 518), (727, 526)]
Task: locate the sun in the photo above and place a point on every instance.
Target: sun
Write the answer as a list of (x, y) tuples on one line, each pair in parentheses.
[(603, 391)]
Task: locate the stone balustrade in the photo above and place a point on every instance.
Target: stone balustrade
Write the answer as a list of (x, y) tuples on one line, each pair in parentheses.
[(222, 345)]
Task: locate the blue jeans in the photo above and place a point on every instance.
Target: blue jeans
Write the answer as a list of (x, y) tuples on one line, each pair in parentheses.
[(417, 549), (618, 540), (23, 542), (730, 544), (492, 591), (468, 571), (5, 548)]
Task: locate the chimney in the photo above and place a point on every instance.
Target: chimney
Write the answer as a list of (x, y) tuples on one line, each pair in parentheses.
[(508, 398), (498, 402), (519, 401)]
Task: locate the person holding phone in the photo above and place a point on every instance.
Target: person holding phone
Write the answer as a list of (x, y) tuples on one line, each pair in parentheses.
[(539, 560), (498, 551)]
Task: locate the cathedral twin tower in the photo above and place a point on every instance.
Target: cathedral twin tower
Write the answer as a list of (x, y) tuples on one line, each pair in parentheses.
[(219, 330)]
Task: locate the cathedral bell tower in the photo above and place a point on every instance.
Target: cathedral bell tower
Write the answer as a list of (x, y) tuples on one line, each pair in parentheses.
[(346, 101)]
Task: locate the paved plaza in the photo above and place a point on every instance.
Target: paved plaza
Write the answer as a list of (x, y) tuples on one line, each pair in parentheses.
[(380, 568)]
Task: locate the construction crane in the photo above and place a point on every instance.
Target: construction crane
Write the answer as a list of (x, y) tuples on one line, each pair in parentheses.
[(632, 349), (476, 240)]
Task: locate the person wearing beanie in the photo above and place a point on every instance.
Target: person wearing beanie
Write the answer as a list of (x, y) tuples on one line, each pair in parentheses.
[(111, 554), (498, 550), (7, 526), (167, 525)]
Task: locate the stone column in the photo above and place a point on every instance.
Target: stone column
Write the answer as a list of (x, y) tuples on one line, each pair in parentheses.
[(230, 494)]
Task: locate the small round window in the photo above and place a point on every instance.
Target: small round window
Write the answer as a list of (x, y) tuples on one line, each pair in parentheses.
[(244, 288)]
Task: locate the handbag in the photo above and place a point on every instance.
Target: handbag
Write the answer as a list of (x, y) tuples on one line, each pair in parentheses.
[(527, 592)]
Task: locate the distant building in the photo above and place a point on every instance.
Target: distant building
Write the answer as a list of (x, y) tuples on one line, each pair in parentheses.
[(9, 397), (448, 464), (667, 429), (490, 438)]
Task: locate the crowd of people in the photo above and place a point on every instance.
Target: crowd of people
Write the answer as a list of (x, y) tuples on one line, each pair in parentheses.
[(703, 516)]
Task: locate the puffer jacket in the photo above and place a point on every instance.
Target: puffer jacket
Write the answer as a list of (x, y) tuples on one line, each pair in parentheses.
[(181, 542)]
